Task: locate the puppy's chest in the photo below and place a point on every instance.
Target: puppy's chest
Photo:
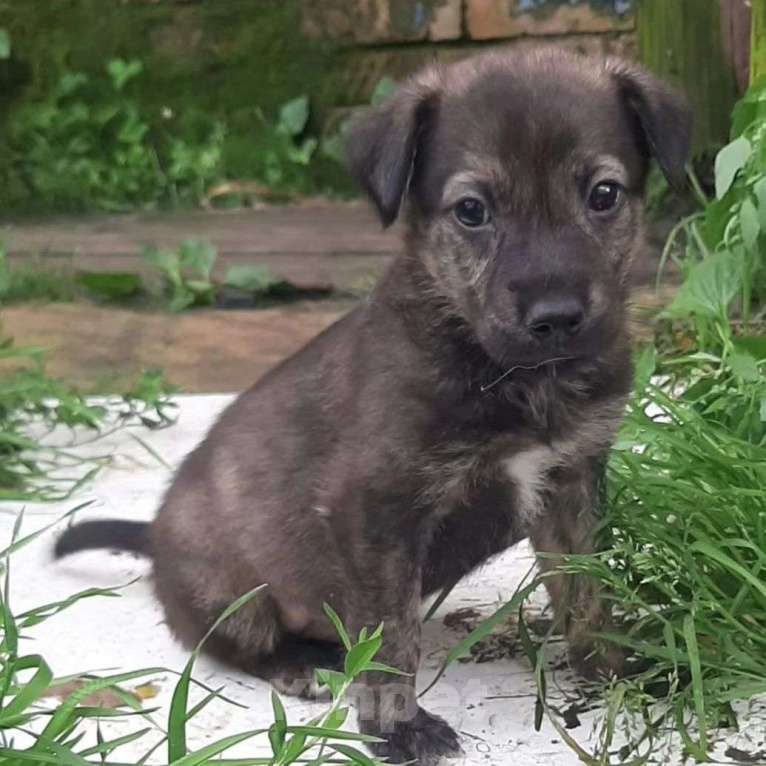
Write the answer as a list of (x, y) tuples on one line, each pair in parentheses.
[(530, 475), (521, 472)]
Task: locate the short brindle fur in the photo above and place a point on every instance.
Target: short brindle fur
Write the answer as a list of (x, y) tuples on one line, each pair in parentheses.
[(396, 452)]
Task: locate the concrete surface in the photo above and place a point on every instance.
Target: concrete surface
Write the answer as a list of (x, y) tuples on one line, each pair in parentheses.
[(491, 704)]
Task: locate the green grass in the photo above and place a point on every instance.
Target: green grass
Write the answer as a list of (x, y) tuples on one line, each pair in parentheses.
[(31, 469), (39, 284)]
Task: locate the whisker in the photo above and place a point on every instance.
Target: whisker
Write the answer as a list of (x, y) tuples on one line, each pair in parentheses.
[(537, 366)]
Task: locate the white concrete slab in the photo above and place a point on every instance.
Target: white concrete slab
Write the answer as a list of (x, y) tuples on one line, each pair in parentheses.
[(491, 704)]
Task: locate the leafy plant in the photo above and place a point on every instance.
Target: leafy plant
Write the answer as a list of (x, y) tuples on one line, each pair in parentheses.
[(90, 145), (333, 145), (32, 734), (110, 286), (30, 469), (186, 273), (733, 225), (257, 280), (282, 149), (29, 283)]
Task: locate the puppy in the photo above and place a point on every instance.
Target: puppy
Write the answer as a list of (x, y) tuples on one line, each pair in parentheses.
[(468, 403)]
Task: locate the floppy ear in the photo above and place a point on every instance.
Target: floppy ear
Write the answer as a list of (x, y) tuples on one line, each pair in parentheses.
[(382, 145), (663, 118)]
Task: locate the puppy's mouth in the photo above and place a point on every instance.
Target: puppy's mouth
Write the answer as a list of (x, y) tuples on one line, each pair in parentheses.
[(548, 365)]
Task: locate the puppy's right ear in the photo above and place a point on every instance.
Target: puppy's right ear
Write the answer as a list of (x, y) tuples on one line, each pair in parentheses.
[(382, 145)]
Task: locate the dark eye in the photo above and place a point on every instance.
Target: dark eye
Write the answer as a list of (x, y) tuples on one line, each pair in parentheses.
[(604, 196), (471, 212)]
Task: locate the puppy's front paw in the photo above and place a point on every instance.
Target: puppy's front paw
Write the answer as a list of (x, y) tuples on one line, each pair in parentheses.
[(425, 739)]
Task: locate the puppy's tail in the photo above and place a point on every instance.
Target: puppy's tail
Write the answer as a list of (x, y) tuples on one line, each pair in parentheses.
[(108, 533)]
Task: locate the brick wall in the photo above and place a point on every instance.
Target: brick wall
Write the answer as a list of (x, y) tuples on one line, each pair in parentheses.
[(397, 36)]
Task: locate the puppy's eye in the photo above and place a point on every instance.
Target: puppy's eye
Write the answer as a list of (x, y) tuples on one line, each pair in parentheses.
[(605, 196), (471, 212)]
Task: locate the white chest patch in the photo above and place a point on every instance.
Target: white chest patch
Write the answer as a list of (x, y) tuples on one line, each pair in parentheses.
[(528, 470)]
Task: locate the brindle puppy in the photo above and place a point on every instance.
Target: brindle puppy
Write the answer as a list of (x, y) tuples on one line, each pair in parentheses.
[(468, 403)]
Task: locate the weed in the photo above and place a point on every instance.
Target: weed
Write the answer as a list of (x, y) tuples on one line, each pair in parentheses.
[(333, 146), (91, 146), (253, 279), (32, 283), (30, 469), (186, 273), (733, 225), (282, 147), (179, 279)]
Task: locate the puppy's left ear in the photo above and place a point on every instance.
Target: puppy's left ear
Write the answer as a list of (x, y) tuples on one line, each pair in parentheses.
[(382, 145), (663, 116)]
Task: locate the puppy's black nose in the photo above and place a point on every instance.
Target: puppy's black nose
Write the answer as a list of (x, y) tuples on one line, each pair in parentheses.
[(555, 318)]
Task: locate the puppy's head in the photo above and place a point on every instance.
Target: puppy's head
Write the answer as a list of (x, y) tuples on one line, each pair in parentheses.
[(522, 178)]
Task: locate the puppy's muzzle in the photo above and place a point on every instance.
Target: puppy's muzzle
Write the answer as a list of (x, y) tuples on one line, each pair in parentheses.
[(554, 319)]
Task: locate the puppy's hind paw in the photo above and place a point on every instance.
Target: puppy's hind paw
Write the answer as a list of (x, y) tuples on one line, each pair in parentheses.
[(424, 741)]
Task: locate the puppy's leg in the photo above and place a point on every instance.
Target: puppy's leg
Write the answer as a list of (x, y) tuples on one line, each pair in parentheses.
[(579, 605), (470, 535), (387, 703), (253, 639)]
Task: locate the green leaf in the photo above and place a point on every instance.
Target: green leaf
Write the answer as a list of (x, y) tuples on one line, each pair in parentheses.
[(5, 44), (710, 286), (645, 363), (759, 190), (294, 747), (332, 679), (381, 667), (279, 709), (728, 162), (356, 756), (754, 345), (360, 655), (336, 718), (744, 366), (340, 629), (294, 115), (278, 729), (122, 71), (749, 224), (110, 286), (205, 754), (30, 691), (698, 691), (198, 257), (256, 279)]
